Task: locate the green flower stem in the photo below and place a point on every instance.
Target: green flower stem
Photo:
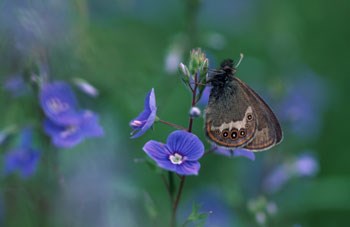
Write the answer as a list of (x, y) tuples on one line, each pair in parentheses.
[(171, 124), (171, 186), (211, 150), (194, 101), (192, 9), (167, 186), (177, 200), (183, 178)]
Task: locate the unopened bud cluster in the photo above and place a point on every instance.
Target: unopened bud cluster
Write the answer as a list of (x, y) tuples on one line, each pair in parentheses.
[(198, 64)]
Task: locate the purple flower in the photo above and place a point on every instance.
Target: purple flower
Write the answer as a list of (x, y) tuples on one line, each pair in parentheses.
[(203, 101), (146, 119), (304, 103), (59, 103), (65, 123), (35, 24), (212, 203), (23, 158), (304, 165), (276, 179), (69, 135), (180, 154), (15, 85), (238, 152)]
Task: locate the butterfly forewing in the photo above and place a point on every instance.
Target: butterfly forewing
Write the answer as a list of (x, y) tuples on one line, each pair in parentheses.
[(268, 132)]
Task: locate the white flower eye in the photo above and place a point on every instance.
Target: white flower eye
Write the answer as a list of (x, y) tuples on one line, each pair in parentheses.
[(176, 159)]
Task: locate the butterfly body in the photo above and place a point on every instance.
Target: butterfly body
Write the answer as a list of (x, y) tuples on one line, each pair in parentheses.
[(237, 116)]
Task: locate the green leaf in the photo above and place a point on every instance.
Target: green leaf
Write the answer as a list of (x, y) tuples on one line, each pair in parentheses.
[(196, 216), (150, 206), (150, 163)]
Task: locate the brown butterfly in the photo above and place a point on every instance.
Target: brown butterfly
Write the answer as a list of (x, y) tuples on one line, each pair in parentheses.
[(236, 116)]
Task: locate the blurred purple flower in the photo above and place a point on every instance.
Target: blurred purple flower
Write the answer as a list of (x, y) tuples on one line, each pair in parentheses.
[(304, 165), (69, 135), (65, 123), (23, 158), (180, 154), (276, 179), (173, 59), (36, 24), (146, 118), (303, 104), (59, 103), (212, 202), (86, 87), (238, 152), (15, 85)]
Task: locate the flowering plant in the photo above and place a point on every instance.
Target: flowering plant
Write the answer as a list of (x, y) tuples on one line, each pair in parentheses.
[(181, 153)]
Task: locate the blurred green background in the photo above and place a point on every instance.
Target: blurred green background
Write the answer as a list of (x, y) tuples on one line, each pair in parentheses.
[(126, 47)]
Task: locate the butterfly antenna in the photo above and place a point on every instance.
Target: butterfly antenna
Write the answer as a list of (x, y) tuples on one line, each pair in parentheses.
[(240, 60)]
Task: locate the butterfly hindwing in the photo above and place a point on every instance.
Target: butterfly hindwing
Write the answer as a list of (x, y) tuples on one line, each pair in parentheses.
[(226, 125)]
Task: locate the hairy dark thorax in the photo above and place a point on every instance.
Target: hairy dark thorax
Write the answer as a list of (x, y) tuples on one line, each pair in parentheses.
[(224, 75), (222, 78)]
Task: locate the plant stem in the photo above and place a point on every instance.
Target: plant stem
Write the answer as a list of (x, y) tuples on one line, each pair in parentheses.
[(194, 93), (191, 13), (182, 179), (177, 200), (192, 9), (172, 125), (171, 186)]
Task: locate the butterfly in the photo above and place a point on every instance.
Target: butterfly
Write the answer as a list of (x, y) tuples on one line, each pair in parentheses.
[(236, 116)]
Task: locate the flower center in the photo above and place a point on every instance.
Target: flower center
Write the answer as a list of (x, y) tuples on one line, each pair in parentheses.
[(56, 106), (176, 159), (69, 131), (137, 123)]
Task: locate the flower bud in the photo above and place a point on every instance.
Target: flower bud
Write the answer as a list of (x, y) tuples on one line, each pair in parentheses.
[(184, 70), (195, 112), (86, 87), (197, 61)]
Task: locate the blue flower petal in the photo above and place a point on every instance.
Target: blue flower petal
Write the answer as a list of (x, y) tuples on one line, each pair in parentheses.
[(167, 165), (160, 153), (31, 166), (150, 101), (205, 96), (59, 103), (25, 160), (26, 137), (90, 126), (157, 151), (147, 117), (188, 168), (186, 144), (238, 152), (223, 151), (244, 153), (11, 163), (63, 136)]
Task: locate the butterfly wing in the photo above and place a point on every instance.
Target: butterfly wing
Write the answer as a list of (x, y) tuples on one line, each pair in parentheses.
[(230, 119), (268, 132)]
